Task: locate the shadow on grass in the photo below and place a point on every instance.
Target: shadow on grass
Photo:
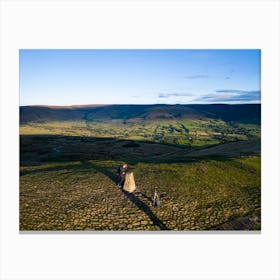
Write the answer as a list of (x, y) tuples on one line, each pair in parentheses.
[(86, 166), (146, 209), (145, 196), (39, 149), (132, 197)]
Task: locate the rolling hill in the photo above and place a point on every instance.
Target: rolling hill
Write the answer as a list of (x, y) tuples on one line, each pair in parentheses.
[(245, 113)]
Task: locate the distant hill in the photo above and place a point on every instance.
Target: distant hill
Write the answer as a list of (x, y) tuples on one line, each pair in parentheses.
[(247, 113)]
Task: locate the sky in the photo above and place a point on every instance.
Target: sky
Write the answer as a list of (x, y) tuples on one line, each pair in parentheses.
[(79, 77)]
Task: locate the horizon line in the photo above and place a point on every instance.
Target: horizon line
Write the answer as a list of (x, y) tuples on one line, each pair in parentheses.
[(137, 104)]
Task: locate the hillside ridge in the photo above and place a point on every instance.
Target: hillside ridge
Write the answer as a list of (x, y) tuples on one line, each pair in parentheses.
[(228, 112)]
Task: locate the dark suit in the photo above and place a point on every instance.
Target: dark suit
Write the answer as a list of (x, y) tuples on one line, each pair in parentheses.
[(121, 171)]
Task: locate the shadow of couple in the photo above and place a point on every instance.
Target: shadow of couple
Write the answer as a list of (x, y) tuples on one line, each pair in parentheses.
[(133, 197)]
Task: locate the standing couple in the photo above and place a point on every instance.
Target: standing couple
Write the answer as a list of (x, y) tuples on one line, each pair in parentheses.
[(126, 179)]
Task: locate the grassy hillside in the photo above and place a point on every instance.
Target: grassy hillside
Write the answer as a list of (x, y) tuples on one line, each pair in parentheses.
[(67, 184), (247, 113), (205, 165), (83, 196)]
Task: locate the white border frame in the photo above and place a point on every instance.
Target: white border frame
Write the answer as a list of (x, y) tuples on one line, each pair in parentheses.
[(139, 24)]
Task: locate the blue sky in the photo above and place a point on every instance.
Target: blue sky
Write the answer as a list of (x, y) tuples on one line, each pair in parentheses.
[(75, 77)]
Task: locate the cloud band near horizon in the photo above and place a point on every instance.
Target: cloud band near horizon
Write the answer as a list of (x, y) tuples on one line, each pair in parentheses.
[(232, 95), (174, 94)]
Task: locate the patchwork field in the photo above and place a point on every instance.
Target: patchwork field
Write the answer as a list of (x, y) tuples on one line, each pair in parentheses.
[(183, 133)]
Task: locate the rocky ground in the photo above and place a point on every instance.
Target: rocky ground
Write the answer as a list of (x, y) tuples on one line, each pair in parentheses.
[(70, 184), (79, 196)]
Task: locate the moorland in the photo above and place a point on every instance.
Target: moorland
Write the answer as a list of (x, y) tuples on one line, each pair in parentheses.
[(204, 161)]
